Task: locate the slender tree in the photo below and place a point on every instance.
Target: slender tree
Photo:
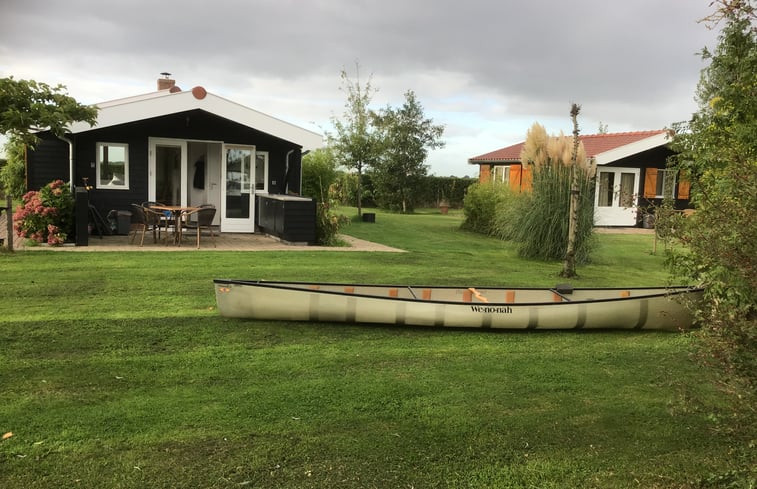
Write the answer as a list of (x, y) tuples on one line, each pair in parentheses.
[(569, 265), (355, 143), (407, 137)]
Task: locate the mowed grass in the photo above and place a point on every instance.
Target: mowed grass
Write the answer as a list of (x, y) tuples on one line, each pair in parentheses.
[(117, 371)]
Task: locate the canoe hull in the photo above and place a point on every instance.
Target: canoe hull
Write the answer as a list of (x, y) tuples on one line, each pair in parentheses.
[(635, 308)]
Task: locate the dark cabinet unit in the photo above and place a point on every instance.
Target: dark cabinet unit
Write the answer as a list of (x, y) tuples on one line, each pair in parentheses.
[(288, 217)]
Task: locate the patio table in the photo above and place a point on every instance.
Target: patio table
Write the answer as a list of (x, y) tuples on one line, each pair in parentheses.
[(177, 214)]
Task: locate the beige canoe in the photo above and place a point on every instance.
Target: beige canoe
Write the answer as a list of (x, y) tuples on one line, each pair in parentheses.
[(562, 307)]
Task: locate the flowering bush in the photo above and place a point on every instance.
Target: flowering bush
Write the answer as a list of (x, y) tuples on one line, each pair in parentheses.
[(46, 216)]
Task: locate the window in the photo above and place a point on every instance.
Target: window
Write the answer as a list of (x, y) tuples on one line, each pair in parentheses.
[(261, 171), (112, 166), (606, 188), (501, 174), (666, 184)]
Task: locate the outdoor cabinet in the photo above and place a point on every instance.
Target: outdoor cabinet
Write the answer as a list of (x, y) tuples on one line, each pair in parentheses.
[(288, 217)]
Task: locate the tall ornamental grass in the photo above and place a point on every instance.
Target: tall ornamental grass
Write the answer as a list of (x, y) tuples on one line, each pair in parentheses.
[(540, 226)]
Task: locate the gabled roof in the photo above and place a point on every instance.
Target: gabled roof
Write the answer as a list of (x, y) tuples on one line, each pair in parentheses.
[(165, 102), (604, 148)]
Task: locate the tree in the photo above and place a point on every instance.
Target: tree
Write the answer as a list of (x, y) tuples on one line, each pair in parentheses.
[(28, 105), (13, 172), (717, 153), (318, 173), (407, 137), (355, 143), (569, 265)]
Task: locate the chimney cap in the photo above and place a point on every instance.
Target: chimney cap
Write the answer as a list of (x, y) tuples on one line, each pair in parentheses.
[(165, 74)]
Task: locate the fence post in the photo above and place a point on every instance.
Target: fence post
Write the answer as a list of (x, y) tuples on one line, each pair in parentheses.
[(9, 221)]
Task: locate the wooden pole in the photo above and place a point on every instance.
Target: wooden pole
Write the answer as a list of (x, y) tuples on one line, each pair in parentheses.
[(569, 265), (9, 221)]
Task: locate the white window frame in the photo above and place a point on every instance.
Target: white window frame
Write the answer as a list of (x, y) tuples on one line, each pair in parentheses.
[(662, 176), (263, 190), (98, 163), (501, 173)]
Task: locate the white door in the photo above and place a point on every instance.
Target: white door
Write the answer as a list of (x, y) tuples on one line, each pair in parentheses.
[(167, 171), (616, 197), (237, 189)]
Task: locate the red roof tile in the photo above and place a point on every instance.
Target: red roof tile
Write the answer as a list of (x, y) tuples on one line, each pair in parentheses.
[(593, 143)]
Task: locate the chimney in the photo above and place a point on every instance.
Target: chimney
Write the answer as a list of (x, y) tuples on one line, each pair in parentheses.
[(166, 83)]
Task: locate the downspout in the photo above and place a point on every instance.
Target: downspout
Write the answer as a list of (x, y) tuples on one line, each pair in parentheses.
[(286, 172), (70, 162)]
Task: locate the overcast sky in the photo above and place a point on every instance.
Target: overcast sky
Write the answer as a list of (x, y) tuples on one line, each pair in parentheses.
[(485, 69)]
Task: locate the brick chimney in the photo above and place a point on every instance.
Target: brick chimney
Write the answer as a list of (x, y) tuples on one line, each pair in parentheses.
[(166, 83)]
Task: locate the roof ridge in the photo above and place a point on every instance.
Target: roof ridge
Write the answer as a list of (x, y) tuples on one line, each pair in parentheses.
[(625, 133)]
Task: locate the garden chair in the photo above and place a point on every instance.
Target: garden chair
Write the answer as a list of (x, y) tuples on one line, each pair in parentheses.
[(205, 215), (142, 219)]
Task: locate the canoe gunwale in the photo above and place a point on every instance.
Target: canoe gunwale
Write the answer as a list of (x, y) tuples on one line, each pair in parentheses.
[(670, 291)]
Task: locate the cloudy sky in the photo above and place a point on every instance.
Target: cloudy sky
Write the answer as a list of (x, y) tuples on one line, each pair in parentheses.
[(486, 69)]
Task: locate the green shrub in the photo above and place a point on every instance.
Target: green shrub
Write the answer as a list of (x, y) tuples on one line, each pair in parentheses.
[(12, 173), (481, 204), (318, 174), (328, 224)]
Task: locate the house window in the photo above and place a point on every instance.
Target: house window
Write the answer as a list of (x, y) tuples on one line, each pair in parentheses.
[(112, 166), (666, 184), (261, 172), (501, 174), (606, 188)]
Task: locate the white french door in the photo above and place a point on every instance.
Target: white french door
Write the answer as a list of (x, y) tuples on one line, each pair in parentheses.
[(167, 171), (616, 197), (238, 189)]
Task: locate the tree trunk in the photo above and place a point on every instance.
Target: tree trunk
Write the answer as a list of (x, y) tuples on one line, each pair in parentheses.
[(569, 265)]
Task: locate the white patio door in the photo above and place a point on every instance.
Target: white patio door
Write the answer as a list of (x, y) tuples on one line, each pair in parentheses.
[(616, 197), (238, 189), (167, 171)]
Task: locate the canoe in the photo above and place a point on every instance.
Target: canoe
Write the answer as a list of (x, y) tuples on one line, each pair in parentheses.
[(561, 307)]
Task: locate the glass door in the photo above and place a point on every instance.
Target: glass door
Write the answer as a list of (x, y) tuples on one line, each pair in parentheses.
[(616, 197), (167, 171), (237, 189)]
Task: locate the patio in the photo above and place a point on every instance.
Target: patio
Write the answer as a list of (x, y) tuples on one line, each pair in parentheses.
[(223, 242)]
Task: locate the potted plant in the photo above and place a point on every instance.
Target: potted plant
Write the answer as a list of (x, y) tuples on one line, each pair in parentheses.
[(444, 206)]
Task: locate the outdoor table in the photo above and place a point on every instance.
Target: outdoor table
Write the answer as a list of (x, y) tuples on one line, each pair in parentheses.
[(177, 213)]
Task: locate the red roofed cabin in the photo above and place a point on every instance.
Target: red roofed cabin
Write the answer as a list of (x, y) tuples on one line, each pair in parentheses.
[(631, 173)]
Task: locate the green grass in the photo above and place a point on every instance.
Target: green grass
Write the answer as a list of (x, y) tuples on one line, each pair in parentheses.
[(116, 371)]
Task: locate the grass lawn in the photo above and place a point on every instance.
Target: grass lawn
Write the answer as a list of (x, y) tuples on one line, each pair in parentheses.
[(116, 371)]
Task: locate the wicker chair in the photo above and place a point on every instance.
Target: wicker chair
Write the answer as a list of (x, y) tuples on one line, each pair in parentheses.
[(205, 215), (142, 219)]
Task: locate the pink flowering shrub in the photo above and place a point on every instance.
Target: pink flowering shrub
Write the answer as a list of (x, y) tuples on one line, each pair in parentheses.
[(46, 216)]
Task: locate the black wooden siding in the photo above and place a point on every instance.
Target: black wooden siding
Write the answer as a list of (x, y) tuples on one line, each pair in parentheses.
[(191, 125), (653, 158), (47, 162)]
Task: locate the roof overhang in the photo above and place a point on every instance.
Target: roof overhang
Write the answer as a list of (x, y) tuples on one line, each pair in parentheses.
[(162, 103), (630, 149)]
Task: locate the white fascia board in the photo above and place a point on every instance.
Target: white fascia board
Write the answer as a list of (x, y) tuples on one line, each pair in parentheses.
[(631, 149), (139, 108)]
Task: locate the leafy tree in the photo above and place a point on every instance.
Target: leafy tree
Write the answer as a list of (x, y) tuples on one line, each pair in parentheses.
[(407, 136), (355, 143), (318, 173), (28, 105), (13, 172), (718, 154)]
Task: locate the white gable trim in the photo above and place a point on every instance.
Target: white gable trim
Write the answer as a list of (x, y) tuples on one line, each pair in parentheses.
[(633, 148), (163, 103)]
